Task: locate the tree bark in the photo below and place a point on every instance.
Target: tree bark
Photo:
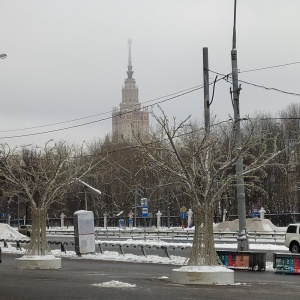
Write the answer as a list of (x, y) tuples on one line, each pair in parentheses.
[(38, 241), (203, 251)]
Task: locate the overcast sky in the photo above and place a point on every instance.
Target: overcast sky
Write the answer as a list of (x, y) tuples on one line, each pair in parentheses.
[(67, 59)]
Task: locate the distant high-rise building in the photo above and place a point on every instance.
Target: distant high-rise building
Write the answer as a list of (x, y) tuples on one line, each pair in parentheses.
[(131, 121)]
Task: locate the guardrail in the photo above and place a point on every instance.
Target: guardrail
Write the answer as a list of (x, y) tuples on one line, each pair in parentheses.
[(274, 236), (120, 245), (143, 246)]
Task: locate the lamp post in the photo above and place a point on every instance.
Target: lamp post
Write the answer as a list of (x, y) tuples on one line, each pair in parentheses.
[(89, 188)]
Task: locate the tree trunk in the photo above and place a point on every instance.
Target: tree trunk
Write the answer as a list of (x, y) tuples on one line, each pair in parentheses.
[(203, 251), (38, 243)]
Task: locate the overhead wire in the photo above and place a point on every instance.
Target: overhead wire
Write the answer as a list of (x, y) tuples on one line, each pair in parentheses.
[(170, 97), (134, 146), (226, 77), (229, 76), (270, 67), (95, 115), (176, 95)]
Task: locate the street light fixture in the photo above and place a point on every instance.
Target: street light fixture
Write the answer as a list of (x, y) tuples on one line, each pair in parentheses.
[(89, 188), (2, 56)]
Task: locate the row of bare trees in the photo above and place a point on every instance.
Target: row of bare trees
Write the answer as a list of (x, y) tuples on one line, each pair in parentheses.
[(180, 163), (123, 172)]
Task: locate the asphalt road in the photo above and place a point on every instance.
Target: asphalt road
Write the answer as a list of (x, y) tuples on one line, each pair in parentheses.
[(76, 278)]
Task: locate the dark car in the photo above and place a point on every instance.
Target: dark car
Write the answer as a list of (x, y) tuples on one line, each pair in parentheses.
[(26, 230)]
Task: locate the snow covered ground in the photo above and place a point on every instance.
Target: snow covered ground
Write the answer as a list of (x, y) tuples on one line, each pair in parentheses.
[(6, 232), (155, 259)]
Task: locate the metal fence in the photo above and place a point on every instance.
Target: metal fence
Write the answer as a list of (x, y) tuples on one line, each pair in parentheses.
[(278, 219), (276, 237)]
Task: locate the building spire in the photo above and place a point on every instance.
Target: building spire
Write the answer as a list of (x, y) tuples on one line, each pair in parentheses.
[(129, 72), (129, 52)]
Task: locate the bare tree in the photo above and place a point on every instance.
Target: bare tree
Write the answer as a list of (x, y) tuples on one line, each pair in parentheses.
[(42, 175), (202, 164)]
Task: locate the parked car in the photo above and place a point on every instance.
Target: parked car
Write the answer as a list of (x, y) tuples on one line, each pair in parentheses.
[(26, 230), (292, 238)]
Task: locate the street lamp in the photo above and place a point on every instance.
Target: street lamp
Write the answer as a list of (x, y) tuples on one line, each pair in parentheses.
[(89, 188), (2, 56)]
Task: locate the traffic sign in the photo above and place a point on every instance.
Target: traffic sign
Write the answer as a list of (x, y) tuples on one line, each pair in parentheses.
[(145, 211), (255, 213), (144, 202), (183, 215), (183, 209)]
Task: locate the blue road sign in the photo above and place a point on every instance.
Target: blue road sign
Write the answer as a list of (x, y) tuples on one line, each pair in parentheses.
[(255, 213), (145, 211), (183, 215)]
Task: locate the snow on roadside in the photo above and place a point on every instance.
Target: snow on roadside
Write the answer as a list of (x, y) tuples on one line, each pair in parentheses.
[(115, 256)]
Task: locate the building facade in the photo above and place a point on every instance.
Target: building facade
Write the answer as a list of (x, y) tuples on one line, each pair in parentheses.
[(131, 120)]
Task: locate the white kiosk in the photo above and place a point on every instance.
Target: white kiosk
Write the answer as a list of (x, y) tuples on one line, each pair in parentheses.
[(84, 232)]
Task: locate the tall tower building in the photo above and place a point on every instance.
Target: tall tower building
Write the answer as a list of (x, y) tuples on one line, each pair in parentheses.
[(130, 121)]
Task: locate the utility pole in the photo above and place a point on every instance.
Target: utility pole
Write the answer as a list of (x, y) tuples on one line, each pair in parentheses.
[(168, 207), (242, 239), (206, 120), (206, 90), (135, 206)]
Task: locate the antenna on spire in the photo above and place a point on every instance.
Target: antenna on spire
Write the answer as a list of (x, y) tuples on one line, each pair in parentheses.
[(129, 72), (234, 28), (129, 52)]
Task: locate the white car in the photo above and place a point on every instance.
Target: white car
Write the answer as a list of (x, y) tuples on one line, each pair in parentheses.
[(26, 230), (292, 238)]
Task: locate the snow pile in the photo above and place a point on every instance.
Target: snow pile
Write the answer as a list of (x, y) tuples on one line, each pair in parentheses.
[(115, 284), (254, 224), (8, 233), (115, 256)]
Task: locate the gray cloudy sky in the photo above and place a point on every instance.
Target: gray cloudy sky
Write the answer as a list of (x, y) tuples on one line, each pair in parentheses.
[(67, 59)]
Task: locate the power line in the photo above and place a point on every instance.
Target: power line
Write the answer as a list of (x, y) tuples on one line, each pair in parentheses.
[(130, 147), (171, 97), (271, 67), (110, 117), (96, 115), (174, 96), (229, 76), (271, 88), (156, 142)]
